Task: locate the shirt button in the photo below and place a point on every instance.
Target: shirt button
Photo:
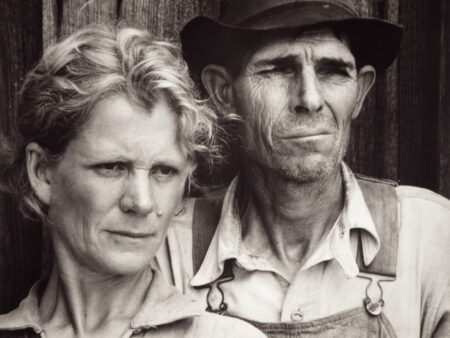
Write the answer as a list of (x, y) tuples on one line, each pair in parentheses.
[(297, 316)]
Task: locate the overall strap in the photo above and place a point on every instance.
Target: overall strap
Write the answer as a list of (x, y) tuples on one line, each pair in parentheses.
[(381, 199), (204, 223)]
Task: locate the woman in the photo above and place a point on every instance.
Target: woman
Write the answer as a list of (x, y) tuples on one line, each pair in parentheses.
[(108, 131)]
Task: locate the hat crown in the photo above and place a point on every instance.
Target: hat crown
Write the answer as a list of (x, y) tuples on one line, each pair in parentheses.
[(234, 12)]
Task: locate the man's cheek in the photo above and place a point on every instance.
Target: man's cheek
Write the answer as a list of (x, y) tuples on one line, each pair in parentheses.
[(269, 107)]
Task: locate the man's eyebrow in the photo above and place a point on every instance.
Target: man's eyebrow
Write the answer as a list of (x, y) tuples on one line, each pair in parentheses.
[(330, 62), (276, 61)]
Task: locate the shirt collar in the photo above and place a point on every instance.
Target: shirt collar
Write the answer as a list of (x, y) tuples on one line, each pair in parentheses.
[(26, 315), (226, 242), (162, 305), (357, 216)]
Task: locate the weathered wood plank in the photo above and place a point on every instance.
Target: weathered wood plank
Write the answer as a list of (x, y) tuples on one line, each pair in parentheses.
[(386, 106), (444, 100), (164, 18), (77, 14), (402, 131), (361, 155), (51, 22), (21, 41), (418, 89), (63, 17)]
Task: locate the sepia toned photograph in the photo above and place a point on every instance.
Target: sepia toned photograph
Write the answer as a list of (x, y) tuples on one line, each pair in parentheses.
[(225, 168)]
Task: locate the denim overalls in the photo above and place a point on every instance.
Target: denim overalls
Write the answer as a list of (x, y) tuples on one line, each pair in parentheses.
[(365, 321)]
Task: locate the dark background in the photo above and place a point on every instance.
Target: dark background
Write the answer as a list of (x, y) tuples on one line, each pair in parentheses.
[(402, 133)]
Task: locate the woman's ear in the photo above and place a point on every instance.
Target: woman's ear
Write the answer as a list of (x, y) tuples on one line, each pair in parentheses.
[(218, 83), (366, 79), (38, 172)]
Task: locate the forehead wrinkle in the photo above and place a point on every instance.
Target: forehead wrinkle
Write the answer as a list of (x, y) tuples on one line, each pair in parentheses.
[(306, 47), (110, 149)]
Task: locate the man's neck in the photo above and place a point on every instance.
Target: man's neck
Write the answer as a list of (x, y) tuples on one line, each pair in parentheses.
[(80, 303), (294, 216)]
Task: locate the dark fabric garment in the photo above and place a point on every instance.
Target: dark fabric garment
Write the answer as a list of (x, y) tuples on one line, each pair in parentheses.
[(353, 323), (26, 333)]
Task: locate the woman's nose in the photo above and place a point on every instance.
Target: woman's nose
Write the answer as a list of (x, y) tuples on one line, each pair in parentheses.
[(137, 197)]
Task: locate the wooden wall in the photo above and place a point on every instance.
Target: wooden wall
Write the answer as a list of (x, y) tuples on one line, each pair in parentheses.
[(403, 132), (20, 240)]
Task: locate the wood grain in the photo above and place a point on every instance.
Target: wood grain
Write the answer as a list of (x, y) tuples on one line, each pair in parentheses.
[(164, 18), (402, 132), (418, 94), (444, 100), (20, 249)]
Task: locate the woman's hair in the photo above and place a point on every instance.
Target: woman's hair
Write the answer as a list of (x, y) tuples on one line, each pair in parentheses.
[(94, 63)]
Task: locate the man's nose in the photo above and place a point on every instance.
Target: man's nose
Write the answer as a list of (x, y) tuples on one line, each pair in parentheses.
[(307, 94), (138, 197)]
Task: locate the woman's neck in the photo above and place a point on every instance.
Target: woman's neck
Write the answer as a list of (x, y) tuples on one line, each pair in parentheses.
[(78, 302)]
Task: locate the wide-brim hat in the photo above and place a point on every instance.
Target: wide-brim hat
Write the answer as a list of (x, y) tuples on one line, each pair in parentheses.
[(207, 40)]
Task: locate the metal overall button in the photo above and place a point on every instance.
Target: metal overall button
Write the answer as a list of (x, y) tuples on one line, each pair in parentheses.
[(297, 315), (374, 307)]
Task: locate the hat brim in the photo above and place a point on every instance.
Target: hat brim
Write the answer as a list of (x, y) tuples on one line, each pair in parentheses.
[(207, 41)]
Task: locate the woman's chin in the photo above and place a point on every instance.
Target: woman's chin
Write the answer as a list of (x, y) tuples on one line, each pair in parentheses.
[(123, 264)]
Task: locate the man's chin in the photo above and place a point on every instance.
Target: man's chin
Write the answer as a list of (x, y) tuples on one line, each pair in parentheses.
[(306, 171)]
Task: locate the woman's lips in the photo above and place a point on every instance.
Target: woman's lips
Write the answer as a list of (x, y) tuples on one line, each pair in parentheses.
[(300, 135)]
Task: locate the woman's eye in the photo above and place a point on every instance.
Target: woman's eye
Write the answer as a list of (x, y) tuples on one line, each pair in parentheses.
[(111, 169)]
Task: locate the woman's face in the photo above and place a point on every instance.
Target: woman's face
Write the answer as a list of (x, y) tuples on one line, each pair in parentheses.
[(117, 186)]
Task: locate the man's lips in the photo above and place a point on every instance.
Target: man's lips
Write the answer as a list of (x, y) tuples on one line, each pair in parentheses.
[(131, 234)]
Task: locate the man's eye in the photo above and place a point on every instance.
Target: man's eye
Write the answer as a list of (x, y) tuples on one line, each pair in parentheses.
[(163, 171), (282, 69), (333, 71), (111, 169)]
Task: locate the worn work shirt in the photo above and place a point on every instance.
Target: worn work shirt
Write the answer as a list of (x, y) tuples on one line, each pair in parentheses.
[(164, 313), (417, 303)]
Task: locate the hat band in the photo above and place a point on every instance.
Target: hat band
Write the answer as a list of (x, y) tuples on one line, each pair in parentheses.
[(296, 15)]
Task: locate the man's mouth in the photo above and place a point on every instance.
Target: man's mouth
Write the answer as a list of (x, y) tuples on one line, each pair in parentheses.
[(130, 234)]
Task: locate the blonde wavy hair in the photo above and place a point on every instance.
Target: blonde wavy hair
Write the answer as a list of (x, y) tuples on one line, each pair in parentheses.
[(92, 64)]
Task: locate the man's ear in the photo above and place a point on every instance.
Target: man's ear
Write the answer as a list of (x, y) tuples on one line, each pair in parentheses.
[(218, 83), (38, 172), (366, 79)]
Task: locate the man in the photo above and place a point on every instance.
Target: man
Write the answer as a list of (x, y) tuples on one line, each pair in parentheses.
[(298, 245)]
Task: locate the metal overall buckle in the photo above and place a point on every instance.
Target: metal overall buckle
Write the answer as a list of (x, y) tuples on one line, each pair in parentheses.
[(222, 306), (226, 276), (374, 306)]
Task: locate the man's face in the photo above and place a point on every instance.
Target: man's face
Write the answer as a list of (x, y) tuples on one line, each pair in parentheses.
[(297, 98), (117, 186)]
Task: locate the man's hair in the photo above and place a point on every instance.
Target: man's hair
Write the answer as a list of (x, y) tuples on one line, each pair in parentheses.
[(75, 74)]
